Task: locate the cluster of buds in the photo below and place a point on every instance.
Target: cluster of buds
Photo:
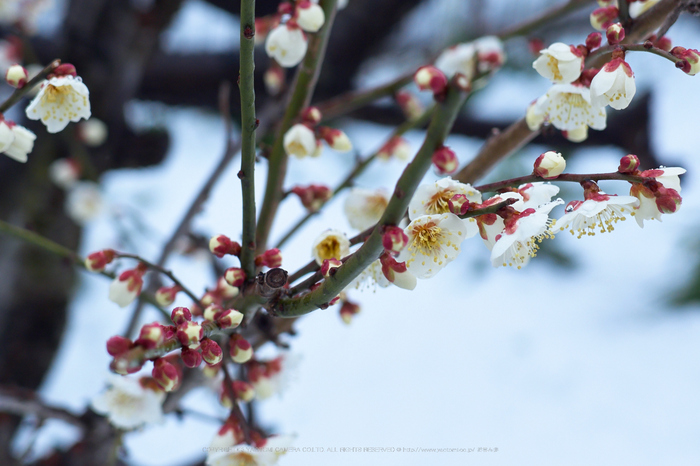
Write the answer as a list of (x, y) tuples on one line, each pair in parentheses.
[(221, 245), (287, 43), (312, 196), (304, 139)]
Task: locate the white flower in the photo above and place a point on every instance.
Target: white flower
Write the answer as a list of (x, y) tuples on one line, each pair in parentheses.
[(433, 242), (310, 16), (226, 451), (331, 244), (364, 207), (560, 63), (287, 45), (613, 85), (370, 278), (64, 173), (637, 8), (600, 212), (6, 136), (127, 404), (534, 195), (653, 203), (300, 141), (125, 288), (84, 201), (433, 198), (568, 107), (489, 51), (491, 225), (518, 242), (22, 142), (60, 101), (460, 58), (270, 377)]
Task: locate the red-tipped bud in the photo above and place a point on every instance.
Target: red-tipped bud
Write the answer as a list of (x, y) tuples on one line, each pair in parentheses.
[(220, 245), (335, 138), (271, 258), (180, 315), (397, 272), (549, 165), (311, 116), (16, 76), (123, 365), (224, 290), (191, 358), (313, 196), (234, 276), (664, 43), (458, 204), (64, 69), (445, 160), (211, 352), (151, 335), (97, 261), (615, 33), (243, 390), (690, 60), (166, 374), (628, 164), (165, 295), (273, 77), (668, 200), (594, 40), (229, 318), (329, 266), (431, 78), (118, 345), (189, 334), (601, 18), (395, 147), (211, 311), (348, 311), (411, 107), (394, 239), (241, 350)]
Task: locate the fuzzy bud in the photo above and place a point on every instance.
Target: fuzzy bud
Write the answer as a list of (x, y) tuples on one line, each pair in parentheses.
[(211, 311), (234, 276), (229, 318), (241, 350), (601, 18), (16, 76), (313, 196), (394, 239), (190, 357), (311, 116), (97, 261), (690, 63), (165, 295), (664, 43), (166, 374), (309, 16), (118, 345), (411, 107), (220, 245), (329, 267), (628, 164), (123, 365), (92, 132), (431, 78), (243, 390), (594, 40), (151, 335), (395, 147), (189, 334), (180, 315), (348, 311), (336, 139), (271, 258), (211, 352), (273, 78), (445, 160), (615, 33), (549, 165), (458, 204)]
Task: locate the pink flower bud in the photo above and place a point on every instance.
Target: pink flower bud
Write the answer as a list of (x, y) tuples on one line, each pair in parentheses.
[(165, 295), (445, 160), (211, 352), (220, 245), (594, 40), (329, 267), (180, 315), (395, 147), (118, 345), (16, 76), (668, 200), (211, 311), (241, 350), (64, 69), (601, 18), (664, 43), (229, 318), (690, 60), (549, 165), (166, 374), (313, 196), (628, 164), (127, 286), (243, 390), (97, 261), (190, 357), (615, 33), (311, 116), (151, 335), (189, 334), (234, 276), (348, 311), (458, 204), (336, 139), (394, 239), (123, 366), (411, 107), (431, 78), (271, 258)]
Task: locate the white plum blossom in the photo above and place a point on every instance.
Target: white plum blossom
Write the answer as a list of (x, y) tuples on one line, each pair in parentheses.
[(16, 141), (6, 136), (600, 212), (364, 207), (534, 195), (560, 63), (84, 201), (331, 244), (370, 278), (460, 58), (518, 242), (666, 199), (287, 45), (128, 404), (60, 101), (433, 198), (125, 288), (300, 141), (491, 225), (613, 85), (225, 450), (568, 107), (433, 242)]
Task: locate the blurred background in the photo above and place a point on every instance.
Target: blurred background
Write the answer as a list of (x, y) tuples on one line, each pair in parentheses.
[(588, 355)]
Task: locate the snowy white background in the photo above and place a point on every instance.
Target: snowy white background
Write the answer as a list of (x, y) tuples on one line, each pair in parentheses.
[(549, 365)]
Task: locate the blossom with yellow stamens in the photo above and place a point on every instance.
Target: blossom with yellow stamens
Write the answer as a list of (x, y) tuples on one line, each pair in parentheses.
[(331, 244), (60, 101)]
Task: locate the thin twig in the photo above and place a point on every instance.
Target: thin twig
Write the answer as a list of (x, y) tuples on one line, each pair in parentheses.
[(23, 403), (570, 177), (235, 409)]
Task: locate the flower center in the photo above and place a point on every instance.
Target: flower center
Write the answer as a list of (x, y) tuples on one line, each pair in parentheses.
[(243, 459), (553, 65), (575, 100), (55, 94), (329, 248), (377, 205), (439, 203), (427, 238), (297, 148)]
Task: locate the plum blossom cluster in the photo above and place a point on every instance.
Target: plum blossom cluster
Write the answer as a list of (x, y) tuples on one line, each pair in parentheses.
[(304, 139)]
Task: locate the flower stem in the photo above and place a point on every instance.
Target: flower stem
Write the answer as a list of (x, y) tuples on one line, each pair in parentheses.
[(248, 126), (302, 90), (514, 182), (440, 126), (22, 91)]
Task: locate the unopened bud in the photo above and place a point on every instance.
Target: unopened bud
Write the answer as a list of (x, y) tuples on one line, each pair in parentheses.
[(180, 315), (601, 18), (234, 276), (395, 147), (189, 334), (594, 40), (445, 160), (664, 43), (165, 295), (97, 261), (549, 165), (690, 63), (229, 318), (309, 16), (348, 311), (628, 164), (458, 204), (220, 245), (225, 290), (336, 139), (166, 374), (273, 78), (615, 33), (241, 350), (271, 258), (190, 357), (211, 352), (313, 196), (243, 390), (311, 116), (329, 266), (411, 107), (431, 78), (16, 76), (151, 335), (394, 239), (211, 311), (64, 69), (118, 345)]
